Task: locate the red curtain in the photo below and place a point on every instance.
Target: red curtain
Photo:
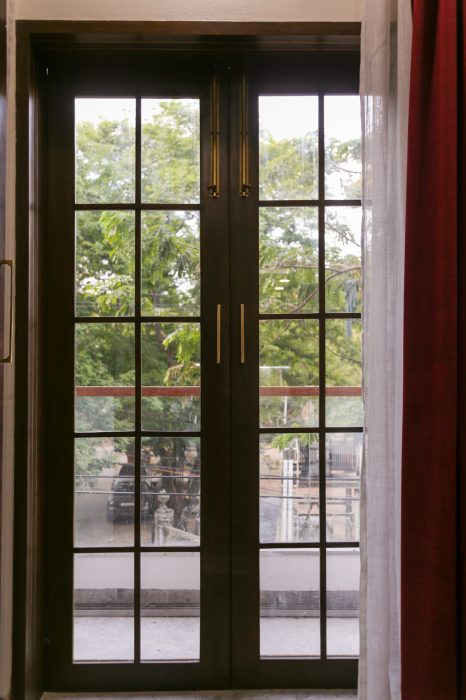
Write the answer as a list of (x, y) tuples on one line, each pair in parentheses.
[(433, 591)]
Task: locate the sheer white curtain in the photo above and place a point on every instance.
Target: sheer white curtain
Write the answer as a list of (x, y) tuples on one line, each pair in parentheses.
[(385, 66)]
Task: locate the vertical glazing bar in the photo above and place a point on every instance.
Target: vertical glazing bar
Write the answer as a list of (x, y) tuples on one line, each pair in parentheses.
[(322, 379), (137, 395)]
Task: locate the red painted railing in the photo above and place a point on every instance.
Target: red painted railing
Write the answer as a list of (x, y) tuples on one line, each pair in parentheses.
[(195, 391)]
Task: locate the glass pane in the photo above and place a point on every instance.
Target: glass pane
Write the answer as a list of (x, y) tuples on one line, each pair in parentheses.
[(288, 147), (103, 619), (170, 150), (104, 394), (104, 263), (343, 373), (289, 373), (171, 376), (104, 492), (170, 606), (288, 252), (170, 491), (342, 147), (289, 488), (289, 599), (343, 259), (343, 602), (343, 457), (105, 132), (170, 263)]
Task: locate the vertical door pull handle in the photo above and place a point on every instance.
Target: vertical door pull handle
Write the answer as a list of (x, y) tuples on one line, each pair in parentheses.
[(219, 333), (244, 184), (7, 359), (242, 351), (214, 187)]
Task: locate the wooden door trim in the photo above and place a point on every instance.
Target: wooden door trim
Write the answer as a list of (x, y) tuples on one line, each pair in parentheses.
[(33, 40)]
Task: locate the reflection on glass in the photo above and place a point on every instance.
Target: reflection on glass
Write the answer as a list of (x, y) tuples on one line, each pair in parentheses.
[(104, 263), (171, 374), (170, 263), (343, 602), (104, 393), (289, 488), (343, 259), (103, 615), (289, 373), (288, 147), (343, 457), (288, 252), (170, 606), (105, 149), (289, 600), (170, 491), (342, 147), (103, 492), (170, 150), (343, 373)]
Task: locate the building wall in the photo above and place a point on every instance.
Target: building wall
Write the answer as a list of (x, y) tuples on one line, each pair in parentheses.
[(148, 10)]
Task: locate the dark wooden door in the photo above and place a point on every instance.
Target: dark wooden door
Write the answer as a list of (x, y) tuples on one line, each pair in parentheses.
[(189, 312)]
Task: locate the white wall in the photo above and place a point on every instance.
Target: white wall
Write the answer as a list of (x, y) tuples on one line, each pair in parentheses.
[(239, 10), (221, 10)]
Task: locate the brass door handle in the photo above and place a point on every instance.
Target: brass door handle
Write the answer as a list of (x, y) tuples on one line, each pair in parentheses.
[(7, 359), (242, 343), (214, 187), (244, 184), (219, 333)]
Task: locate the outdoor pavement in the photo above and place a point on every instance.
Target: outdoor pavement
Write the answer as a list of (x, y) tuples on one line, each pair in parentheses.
[(163, 638)]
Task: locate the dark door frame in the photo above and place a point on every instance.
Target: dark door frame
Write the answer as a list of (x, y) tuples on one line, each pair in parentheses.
[(34, 40)]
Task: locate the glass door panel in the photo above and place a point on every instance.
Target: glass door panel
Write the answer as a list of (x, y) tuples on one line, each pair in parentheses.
[(136, 371), (310, 371)]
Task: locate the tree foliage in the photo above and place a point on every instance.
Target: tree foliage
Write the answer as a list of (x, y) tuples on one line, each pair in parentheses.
[(170, 274)]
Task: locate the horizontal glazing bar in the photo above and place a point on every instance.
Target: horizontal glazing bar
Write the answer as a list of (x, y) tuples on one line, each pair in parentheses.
[(323, 430), (105, 434), (132, 319), (358, 429), (316, 315), (143, 433), (132, 207), (170, 433), (309, 203), (104, 319), (307, 545), (170, 319), (130, 550)]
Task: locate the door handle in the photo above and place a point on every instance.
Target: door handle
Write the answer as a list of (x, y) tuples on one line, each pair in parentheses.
[(242, 341), (9, 263), (219, 333), (214, 187), (244, 184)]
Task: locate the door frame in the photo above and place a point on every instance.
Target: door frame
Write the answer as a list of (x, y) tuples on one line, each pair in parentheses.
[(35, 40)]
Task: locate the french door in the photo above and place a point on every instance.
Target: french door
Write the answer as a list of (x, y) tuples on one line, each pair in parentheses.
[(203, 375)]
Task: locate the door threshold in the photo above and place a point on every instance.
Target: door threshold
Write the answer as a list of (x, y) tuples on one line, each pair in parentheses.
[(215, 694)]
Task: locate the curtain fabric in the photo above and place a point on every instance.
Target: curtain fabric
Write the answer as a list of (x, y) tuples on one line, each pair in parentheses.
[(433, 590), (385, 61)]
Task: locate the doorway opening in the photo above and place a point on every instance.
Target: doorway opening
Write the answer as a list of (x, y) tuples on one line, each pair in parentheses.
[(202, 373)]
